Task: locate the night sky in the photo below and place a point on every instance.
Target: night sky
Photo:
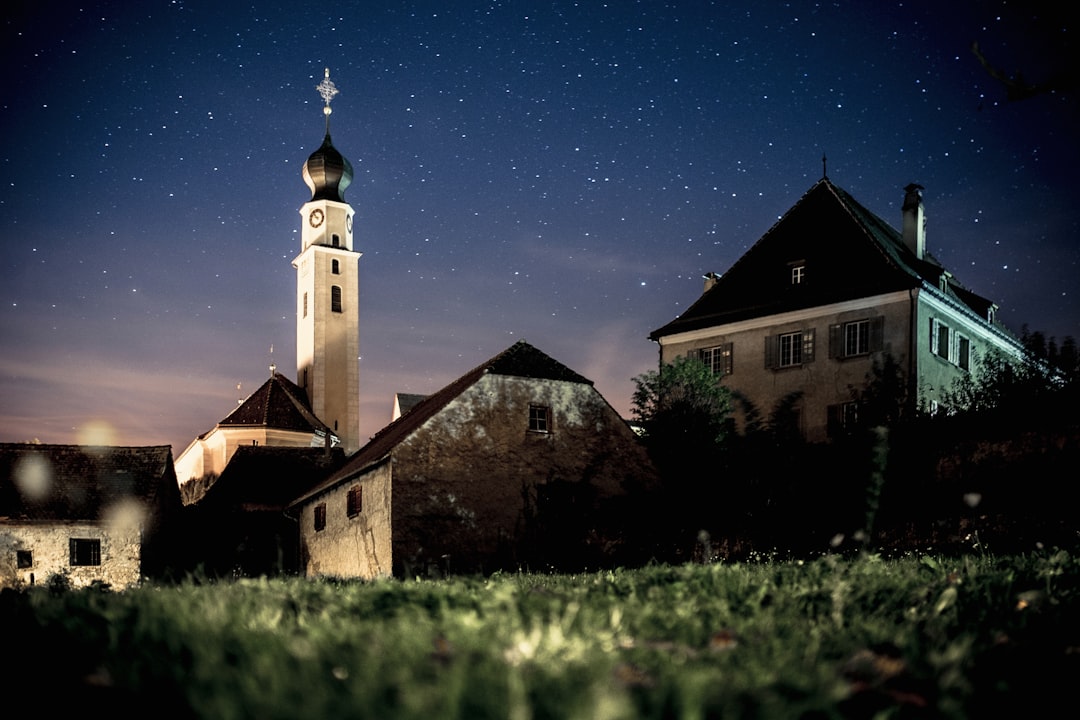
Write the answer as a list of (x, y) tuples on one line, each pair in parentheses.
[(559, 172)]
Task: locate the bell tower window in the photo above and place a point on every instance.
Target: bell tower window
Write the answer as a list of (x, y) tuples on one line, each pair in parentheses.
[(335, 298), (335, 267)]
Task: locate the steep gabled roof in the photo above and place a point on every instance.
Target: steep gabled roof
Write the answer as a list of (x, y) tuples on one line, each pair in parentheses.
[(80, 482), (519, 360), (279, 404), (847, 251)]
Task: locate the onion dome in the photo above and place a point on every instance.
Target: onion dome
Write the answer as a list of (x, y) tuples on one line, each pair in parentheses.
[(327, 172)]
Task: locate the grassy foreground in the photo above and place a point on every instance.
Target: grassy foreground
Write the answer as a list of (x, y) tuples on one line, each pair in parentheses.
[(919, 636)]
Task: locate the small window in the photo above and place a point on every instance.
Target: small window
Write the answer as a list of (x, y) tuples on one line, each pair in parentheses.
[(718, 359), (860, 337), (789, 349), (335, 298), (354, 501), (939, 339), (24, 559), (305, 305), (335, 267), (842, 419), (336, 240), (798, 274), (963, 352), (539, 418), (320, 517), (85, 552)]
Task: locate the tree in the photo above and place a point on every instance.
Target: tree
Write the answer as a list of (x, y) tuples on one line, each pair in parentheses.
[(683, 412)]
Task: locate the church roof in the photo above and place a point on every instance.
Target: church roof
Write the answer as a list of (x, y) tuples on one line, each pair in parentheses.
[(279, 404), (327, 172), (847, 251), (80, 482), (519, 360)]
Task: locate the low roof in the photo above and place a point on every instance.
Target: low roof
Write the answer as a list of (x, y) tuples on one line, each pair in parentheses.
[(519, 360), (268, 478), (79, 482)]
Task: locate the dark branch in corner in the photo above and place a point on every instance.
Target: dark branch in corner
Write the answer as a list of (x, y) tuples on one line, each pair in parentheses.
[(1016, 88)]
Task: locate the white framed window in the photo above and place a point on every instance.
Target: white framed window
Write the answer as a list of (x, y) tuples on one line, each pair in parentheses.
[(857, 338), (940, 338), (718, 358), (790, 349), (539, 418), (842, 418), (798, 274), (963, 352)]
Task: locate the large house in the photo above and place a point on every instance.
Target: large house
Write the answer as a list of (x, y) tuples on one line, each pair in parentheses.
[(89, 514), (831, 289), (519, 462)]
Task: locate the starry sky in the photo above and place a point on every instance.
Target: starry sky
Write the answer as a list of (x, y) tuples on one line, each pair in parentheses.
[(559, 172)]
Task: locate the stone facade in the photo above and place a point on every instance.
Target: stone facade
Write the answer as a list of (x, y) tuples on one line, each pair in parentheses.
[(88, 514), (520, 462)]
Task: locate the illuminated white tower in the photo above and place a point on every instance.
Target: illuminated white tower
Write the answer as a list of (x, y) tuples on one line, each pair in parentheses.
[(327, 291)]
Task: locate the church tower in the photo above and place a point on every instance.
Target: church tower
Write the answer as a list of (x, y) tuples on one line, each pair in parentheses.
[(327, 291)]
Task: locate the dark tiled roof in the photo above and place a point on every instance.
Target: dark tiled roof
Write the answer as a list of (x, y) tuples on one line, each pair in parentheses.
[(278, 403), (269, 478), (848, 251), (79, 482), (519, 360)]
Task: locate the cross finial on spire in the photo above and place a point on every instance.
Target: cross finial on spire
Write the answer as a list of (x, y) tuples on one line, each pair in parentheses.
[(824, 166), (327, 90)]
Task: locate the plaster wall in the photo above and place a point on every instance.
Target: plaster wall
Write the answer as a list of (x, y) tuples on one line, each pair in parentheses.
[(357, 546), (823, 381)]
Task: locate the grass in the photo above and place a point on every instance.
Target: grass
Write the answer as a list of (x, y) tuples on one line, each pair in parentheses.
[(916, 636)]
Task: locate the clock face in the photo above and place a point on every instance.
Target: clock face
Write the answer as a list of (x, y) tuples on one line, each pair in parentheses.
[(348, 222), (316, 218)]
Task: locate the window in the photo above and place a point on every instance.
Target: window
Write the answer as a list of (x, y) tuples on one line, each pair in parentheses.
[(320, 517), (335, 298), (842, 418), (859, 337), (789, 349), (336, 240), (939, 339), (539, 418), (24, 559), (354, 501), (798, 274), (963, 352), (717, 359), (305, 305), (85, 552), (335, 267)]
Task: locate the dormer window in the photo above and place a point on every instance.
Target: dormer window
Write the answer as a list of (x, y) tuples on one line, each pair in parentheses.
[(943, 281), (798, 273)]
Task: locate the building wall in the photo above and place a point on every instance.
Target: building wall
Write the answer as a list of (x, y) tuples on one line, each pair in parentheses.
[(49, 545), (476, 490), (936, 373), (823, 381), (357, 546)]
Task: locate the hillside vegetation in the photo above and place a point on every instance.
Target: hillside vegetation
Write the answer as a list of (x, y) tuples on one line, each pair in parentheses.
[(831, 637)]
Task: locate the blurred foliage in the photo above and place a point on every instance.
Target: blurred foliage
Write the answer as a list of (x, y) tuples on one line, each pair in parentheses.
[(831, 637)]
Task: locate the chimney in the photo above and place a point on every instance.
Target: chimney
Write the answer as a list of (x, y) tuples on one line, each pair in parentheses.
[(711, 279), (914, 229)]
